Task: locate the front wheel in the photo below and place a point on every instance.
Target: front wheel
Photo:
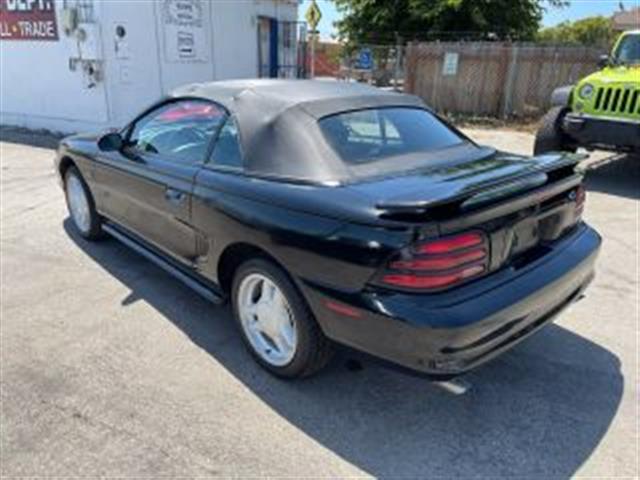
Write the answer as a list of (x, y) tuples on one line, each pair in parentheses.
[(81, 205), (276, 323), (550, 137)]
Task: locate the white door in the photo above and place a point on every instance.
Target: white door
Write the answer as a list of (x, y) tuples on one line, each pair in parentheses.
[(131, 59)]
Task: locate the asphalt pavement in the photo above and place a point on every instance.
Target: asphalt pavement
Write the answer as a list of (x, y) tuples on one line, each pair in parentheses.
[(110, 367)]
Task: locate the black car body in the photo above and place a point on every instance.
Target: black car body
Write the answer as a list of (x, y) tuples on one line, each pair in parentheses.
[(436, 260)]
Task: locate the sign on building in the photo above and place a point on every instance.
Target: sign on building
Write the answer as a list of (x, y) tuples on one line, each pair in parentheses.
[(28, 20), (365, 59), (450, 66), (185, 38)]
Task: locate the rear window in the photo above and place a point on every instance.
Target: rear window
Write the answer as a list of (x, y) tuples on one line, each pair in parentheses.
[(370, 135)]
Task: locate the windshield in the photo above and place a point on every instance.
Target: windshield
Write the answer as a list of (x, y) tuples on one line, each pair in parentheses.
[(628, 52), (371, 135)]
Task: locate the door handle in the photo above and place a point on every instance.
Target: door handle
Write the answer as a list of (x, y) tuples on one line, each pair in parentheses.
[(175, 197)]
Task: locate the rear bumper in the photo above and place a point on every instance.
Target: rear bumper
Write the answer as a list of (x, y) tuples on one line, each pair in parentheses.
[(608, 133), (449, 333)]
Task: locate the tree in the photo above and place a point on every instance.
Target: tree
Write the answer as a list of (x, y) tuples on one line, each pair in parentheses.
[(382, 21), (594, 31)]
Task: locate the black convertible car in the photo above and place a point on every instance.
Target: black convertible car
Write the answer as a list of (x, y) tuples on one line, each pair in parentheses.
[(334, 213)]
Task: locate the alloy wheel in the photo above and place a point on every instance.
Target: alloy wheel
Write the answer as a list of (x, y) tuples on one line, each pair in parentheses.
[(78, 204), (267, 319)]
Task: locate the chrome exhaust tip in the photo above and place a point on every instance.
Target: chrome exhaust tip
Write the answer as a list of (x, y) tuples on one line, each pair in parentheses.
[(455, 386)]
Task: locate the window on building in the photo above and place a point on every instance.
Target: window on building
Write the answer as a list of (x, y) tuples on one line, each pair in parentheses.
[(85, 11)]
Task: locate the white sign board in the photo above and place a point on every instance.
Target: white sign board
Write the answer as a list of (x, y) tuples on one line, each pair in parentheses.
[(450, 66), (185, 36)]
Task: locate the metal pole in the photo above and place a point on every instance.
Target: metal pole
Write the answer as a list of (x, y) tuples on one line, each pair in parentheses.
[(313, 54), (396, 68), (510, 84)]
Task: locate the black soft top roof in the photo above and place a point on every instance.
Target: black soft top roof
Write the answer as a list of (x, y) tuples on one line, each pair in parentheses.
[(278, 121)]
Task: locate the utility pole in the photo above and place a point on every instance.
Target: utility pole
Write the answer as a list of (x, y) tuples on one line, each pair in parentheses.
[(396, 68), (313, 53), (510, 83), (313, 16)]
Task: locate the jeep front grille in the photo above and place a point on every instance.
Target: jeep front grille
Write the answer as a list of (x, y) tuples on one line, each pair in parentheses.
[(618, 100)]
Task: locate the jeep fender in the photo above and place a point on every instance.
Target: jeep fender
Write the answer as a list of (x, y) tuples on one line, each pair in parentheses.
[(561, 97)]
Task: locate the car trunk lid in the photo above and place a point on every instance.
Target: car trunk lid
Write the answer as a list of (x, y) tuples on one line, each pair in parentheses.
[(478, 181), (521, 204)]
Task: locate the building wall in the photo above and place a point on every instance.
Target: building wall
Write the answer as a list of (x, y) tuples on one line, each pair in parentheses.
[(626, 20), (239, 19), (38, 89)]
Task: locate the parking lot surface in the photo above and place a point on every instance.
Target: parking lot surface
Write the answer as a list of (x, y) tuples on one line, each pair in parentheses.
[(110, 367)]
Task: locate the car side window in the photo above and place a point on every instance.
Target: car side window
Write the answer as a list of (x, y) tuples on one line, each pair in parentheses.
[(178, 131), (227, 151)]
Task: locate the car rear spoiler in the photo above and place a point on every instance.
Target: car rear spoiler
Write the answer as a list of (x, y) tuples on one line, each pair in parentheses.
[(550, 172)]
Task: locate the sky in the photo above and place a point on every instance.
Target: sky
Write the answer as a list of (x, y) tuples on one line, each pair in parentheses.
[(576, 10)]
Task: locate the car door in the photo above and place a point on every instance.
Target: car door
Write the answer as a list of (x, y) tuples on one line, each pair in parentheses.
[(214, 205), (147, 186)]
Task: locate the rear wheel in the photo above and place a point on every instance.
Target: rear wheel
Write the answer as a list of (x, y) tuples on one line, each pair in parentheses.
[(276, 323), (81, 205), (550, 137)]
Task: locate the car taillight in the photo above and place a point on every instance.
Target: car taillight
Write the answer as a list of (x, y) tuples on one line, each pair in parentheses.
[(581, 198), (439, 264)]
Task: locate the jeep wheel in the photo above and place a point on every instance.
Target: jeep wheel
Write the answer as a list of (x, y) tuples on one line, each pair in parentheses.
[(550, 137)]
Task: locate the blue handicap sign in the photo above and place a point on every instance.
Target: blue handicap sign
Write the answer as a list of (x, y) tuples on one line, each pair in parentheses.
[(365, 59)]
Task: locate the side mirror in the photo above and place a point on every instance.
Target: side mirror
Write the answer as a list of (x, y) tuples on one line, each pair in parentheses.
[(603, 61), (111, 142)]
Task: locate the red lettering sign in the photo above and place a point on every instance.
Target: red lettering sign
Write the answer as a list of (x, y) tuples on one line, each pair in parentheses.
[(28, 20)]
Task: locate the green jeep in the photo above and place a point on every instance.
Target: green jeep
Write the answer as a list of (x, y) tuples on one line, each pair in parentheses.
[(603, 110)]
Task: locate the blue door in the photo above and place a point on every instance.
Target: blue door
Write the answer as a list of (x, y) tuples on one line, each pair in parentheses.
[(273, 48), (268, 47)]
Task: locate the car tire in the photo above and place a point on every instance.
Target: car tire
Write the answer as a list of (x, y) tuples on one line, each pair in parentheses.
[(550, 137), (81, 206), (311, 350)]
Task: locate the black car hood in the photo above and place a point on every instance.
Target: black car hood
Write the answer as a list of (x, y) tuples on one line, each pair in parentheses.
[(500, 172)]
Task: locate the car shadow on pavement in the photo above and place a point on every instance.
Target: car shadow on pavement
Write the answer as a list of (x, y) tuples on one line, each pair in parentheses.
[(616, 174), (33, 138), (539, 411)]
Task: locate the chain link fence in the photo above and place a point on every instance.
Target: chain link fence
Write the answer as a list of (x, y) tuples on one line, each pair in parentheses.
[(379, 65), (476, 79)]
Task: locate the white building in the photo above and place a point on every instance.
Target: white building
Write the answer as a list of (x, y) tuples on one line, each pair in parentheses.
[(72, 65), (626, 19)]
